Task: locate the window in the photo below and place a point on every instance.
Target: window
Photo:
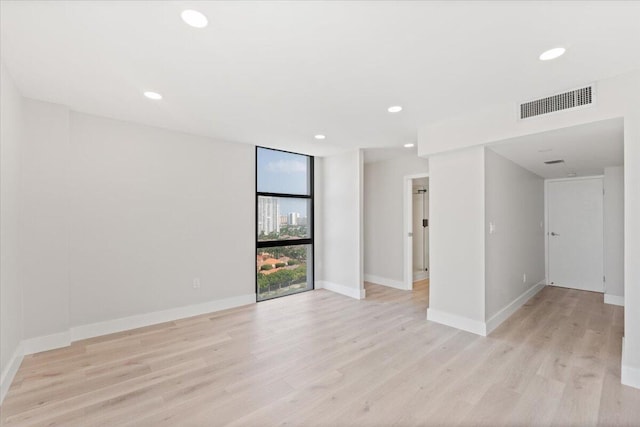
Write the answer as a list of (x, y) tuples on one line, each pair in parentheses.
[(284, 223)]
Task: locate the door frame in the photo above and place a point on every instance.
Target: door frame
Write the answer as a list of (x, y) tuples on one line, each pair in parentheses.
[(408, 227), (546, 221)]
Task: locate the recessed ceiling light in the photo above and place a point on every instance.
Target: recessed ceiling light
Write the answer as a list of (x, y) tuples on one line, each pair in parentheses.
[(394, 109), (572, 174), (153, 95), (409, 145), (194, 18), (319, 136), (552, 53)]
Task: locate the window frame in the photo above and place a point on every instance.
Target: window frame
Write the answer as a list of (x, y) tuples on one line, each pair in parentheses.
[(291, 242)]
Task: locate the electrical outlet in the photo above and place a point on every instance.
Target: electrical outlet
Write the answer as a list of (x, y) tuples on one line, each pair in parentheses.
[(492, 227), (196, 283)]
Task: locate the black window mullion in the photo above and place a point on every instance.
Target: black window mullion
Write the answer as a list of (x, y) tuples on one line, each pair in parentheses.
[(285, 195), (311, 217), (274, 243)]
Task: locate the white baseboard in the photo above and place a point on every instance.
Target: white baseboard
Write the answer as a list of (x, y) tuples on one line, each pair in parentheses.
[(46, 342), (398, 284), (76, 333), (613, 299), (458, 322), (356, 293), (512, 307), (153, 318), (420, 275), (10, 371), (629, 375), (64, 339)]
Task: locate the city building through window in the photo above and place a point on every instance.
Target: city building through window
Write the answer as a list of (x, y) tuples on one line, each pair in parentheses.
[(284, 223)]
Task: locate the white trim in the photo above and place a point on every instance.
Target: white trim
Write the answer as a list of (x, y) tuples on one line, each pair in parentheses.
[(408, 227), (76, 333), (629, 375), (513, 306), (420, 275), (614, 300), (156, 317), (458, 322), (398, 284), (360, 271), (10, 371), (546, 230), (46, 342), (341, 289)]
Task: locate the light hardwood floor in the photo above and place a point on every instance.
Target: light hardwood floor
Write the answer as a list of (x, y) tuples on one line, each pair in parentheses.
[(319, 358)]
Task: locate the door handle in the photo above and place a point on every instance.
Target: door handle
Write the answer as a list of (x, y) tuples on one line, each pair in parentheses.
[(554, 234)]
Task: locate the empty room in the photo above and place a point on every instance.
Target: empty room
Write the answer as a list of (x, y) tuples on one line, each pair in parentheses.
[(319, 213)]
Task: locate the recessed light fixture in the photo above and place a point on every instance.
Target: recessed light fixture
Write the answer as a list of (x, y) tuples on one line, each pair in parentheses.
[(194, 18), (572, 174), (394, 109), (554, 53), (319, 136), (153, 95), (409, 145)]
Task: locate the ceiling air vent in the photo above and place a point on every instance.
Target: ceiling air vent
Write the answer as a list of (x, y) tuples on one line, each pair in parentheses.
[(562, 101)]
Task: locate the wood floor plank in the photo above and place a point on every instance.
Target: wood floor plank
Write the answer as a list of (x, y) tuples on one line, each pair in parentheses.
[(322, 359)]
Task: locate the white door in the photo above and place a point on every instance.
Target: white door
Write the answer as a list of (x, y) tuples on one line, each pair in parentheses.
[(575, 233)]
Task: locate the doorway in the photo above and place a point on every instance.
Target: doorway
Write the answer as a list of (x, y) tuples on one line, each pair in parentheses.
[(416, 229), (575, 233)]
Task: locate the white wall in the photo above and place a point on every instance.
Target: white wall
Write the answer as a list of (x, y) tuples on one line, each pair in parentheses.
[(614, 234), (631, 348), (118, 219), (11, 328), (340, 268), (514, 203), (44, 217), (384, 232), (152, 210), (456, 239)]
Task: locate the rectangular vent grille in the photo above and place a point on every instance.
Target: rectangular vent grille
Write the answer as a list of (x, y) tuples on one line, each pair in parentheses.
[(562, 101)]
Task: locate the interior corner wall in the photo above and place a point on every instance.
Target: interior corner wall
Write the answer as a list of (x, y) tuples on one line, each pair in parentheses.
[(44, 219), (151, 211), (514, 204), (456, 239), (116, 222), (11, 328), (384, 234), (340, 267), (614, 234)]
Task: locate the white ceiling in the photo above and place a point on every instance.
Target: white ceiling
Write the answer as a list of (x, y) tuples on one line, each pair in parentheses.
[(586, 149), (372, 155), (277, 73)]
